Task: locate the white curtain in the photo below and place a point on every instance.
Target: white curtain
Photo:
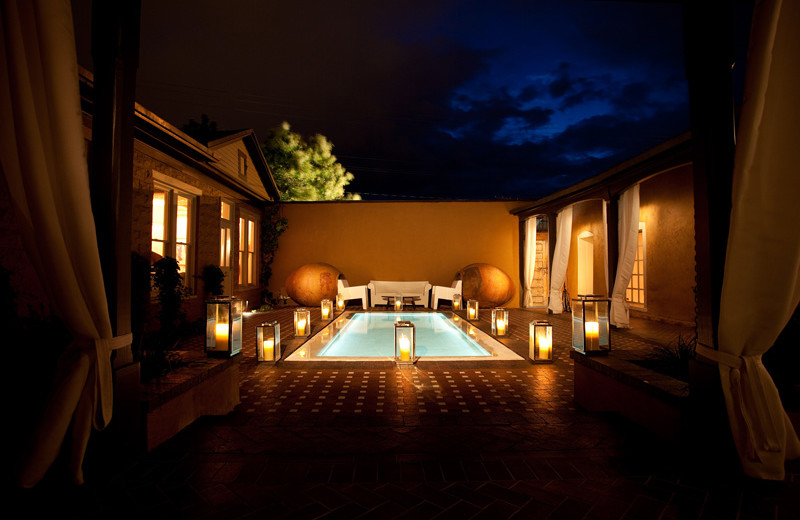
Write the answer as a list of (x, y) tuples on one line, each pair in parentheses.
[(628, 241), (42, 154), (761, 286), (530, 260), (560, 259), (605, 242)]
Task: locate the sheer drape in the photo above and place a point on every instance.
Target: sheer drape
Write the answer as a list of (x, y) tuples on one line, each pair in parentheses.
[(628, 239), (530, 260), (44, 165), (761, 286), (560, 259), (605, 243)]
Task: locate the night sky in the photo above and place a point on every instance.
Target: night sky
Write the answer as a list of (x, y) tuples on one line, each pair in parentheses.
[(426, 99)]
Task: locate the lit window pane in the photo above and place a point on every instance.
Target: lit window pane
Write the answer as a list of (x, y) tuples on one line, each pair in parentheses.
[(182, 220), (225, 211), (251, 239), (158, 248), (159, 204), (180, 256)]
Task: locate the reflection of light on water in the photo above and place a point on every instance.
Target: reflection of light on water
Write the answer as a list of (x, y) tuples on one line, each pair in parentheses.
[(302, 352)]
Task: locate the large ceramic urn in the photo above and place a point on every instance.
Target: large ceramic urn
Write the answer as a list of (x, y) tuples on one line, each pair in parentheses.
[(309, 284), (488, 284)]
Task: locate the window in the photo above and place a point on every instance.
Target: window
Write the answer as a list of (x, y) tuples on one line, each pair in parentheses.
[(635, 292), (242, 164), (225, 234), (173, 227), (247, 251)]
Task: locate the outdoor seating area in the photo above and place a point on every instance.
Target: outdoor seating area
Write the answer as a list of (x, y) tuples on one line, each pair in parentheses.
[(381, 291), (441, 441)]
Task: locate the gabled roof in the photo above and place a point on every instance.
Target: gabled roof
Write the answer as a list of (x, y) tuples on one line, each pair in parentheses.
[(155, 131), (670, 154)]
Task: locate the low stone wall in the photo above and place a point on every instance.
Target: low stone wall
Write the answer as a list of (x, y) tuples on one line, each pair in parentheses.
[(652, 400), (205, 386)]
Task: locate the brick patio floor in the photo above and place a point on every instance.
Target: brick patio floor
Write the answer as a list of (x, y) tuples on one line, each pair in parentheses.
[(491, 442)]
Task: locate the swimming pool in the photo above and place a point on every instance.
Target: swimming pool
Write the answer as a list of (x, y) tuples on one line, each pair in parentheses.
[(364, 336)]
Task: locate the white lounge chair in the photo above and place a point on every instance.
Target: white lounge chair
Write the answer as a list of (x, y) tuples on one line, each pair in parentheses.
[(444, 293), (358, 292)]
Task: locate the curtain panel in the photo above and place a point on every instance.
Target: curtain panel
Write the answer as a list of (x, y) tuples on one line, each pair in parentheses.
[(530, 259), (628, 237), (560, 259), (42, 154), (761, 285)]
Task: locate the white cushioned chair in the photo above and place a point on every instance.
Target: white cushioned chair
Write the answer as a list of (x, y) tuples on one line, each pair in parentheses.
[(358, 292), (444, 293)]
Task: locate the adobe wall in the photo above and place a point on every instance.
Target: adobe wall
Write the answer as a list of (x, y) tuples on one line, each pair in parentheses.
[(399, 240), (666, 206), (587, 216)]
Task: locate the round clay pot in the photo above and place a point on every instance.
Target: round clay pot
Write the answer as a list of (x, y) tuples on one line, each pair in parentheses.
[(309, 284), (488, 284)]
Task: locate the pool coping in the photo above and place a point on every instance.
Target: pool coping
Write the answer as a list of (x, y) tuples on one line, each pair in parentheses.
[(510, 358)]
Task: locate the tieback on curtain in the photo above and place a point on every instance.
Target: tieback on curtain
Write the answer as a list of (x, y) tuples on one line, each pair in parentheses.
[(105, 345), (762, 433)]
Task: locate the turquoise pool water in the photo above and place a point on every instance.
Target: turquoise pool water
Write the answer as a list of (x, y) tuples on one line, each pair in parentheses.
[(371, 334)]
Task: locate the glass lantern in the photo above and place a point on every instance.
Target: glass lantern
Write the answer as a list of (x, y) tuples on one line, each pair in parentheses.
[(590, 330), (456, 302), (540, 346), (472, 310), (268, 341), (302, 322), (224, 326), (326, 310), (404, 339), (340, 302), (499, 321), (398, 302)]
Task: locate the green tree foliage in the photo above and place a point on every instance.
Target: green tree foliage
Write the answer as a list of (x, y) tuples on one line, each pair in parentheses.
[(305, 170)]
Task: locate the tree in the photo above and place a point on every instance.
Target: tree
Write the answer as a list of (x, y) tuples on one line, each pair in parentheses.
[(305, 170)]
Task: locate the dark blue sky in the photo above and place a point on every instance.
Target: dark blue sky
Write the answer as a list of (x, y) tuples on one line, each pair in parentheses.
[(440, 99)]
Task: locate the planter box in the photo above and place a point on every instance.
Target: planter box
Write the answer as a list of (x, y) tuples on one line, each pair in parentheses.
[(205, 386), (652, 400)]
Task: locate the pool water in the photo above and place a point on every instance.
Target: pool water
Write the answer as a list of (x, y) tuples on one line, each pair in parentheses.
[(372, 335)]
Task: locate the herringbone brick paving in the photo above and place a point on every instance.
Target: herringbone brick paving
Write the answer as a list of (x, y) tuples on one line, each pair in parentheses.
[(482, 442)]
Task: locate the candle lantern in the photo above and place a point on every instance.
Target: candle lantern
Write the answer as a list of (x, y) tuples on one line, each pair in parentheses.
[(540, 344), (268, 341), (499, 321), (224, 326), (398, 302), (326, 310), (340, 302), (456, 302), (404, 340), (302, 322), (590, 330), (472, 310)]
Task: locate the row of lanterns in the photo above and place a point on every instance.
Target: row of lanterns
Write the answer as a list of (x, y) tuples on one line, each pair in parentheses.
[(590, 330)]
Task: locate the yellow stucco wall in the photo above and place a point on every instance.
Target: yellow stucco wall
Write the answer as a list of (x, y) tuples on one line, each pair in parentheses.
[(587, 216), (399, 240), (666, 206)]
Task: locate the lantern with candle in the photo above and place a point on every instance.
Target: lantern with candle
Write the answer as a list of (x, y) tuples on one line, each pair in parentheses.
[(590, 330), (404, 340), (326, 310), (398, 302), (340, 302), (223, 326), (540, 346), (268, 342), (472, 310), (499, 321), (456, 302), (302, 322)]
